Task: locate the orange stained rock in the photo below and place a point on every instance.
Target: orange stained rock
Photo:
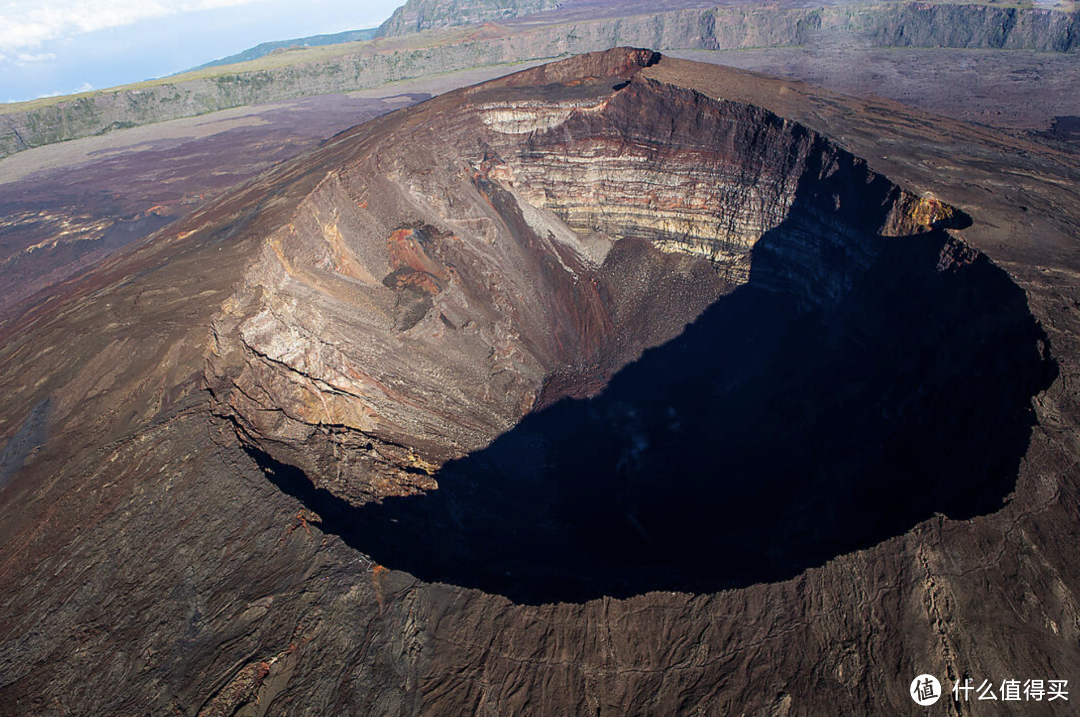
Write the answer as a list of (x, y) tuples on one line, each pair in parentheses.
[(301, 520)]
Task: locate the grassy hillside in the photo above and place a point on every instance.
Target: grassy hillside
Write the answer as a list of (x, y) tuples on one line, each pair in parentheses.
[(264, 49)]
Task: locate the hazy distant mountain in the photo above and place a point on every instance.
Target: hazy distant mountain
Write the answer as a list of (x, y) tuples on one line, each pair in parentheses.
[(254, 53)]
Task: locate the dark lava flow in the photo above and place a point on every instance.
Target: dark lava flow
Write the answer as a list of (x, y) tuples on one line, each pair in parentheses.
[(771, 436)]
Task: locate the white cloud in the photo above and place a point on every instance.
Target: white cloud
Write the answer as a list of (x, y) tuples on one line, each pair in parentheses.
[(26, 58), (26, 25), (84, 87)]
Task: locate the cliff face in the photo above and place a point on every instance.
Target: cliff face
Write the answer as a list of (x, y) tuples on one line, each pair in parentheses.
[(892, 25), (975, 26), (420, 15), (318, 448)]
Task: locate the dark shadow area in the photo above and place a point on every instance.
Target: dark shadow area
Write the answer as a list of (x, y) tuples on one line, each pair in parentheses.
[(31, 435), (767, 439), (856, 386), (1064, 132)]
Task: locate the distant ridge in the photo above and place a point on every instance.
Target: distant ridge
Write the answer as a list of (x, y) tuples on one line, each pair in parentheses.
[(254, 53), (420, 15)]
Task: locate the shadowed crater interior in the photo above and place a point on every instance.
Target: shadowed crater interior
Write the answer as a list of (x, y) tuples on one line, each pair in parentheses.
[(774, 434), (862, 370)]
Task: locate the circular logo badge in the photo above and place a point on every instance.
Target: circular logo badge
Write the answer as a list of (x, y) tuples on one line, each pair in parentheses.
[(925, 690)]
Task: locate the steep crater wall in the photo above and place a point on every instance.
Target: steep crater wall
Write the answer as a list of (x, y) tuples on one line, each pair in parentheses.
[(453, 309), (699, 178)]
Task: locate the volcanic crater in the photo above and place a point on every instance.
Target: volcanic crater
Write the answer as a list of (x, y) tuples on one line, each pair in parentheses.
[(577, 333)]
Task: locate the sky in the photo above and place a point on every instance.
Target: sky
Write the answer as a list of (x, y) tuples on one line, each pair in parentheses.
[(50, 47)]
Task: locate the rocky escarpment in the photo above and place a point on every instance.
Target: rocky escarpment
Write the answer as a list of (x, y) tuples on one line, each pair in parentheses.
[(974, 26), (419, 15), (370, 65)]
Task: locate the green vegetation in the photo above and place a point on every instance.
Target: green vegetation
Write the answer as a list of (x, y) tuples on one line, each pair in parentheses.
[(266, 48)]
